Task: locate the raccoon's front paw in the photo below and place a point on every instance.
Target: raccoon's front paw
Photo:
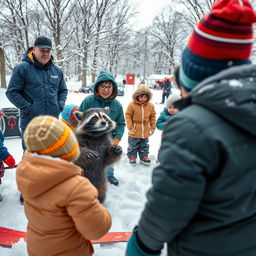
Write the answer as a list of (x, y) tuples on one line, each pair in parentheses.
[(91, 155), (117, 149)]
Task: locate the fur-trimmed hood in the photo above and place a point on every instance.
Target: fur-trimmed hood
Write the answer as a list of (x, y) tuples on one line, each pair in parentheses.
[(142, 90)]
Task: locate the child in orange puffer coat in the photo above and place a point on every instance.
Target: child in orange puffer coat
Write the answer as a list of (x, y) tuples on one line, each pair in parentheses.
[(140, 118)]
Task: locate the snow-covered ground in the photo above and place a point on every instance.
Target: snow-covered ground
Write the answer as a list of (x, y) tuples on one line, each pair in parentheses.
[(125, 202)]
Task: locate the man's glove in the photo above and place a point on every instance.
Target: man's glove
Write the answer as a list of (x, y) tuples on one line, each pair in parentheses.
[(9, 160), (132, 131), (116, 141), (152, 131), (133, 248)]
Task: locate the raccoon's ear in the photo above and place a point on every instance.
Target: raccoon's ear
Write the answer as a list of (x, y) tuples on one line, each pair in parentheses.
[(78, 115), (107, 109)]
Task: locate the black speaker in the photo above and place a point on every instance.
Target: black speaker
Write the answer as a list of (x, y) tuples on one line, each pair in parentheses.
[(10, 122)]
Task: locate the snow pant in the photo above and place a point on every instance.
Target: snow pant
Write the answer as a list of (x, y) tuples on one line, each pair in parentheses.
[(1, 172), (165, 95), (137, 146)]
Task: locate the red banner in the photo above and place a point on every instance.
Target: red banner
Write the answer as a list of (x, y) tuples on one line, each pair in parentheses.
[(130, 79)]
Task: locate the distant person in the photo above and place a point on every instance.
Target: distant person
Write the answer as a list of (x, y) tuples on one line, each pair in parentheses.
[(37, 86), (124, 82), (61, 206), (166, 88), (5, 157), (104, 95), (203, 195), (140, 118)]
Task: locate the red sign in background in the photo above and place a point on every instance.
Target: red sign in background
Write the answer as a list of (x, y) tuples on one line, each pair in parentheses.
[(130, 79)]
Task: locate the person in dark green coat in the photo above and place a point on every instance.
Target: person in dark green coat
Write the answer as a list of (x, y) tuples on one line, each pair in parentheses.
[(203, 196), (104, 95)]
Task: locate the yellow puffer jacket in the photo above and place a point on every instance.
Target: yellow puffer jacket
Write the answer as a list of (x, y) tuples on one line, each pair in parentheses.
[(141, 118), (61, 206)]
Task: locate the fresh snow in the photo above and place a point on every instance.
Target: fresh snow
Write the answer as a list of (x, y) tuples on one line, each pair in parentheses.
[(125, 202)]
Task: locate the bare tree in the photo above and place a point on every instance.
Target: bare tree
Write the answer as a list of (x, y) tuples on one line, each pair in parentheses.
[(167, 36), (118, 34), (85, 20), (15, 14), (193, 10), (57, 13), (2, 67), (102, 9)]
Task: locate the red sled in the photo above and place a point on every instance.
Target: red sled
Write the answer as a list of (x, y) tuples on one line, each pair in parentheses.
[(8, 237)]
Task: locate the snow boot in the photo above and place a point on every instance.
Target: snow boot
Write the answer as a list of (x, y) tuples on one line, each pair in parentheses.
[(132, 161), (113, 180), (145, 160)]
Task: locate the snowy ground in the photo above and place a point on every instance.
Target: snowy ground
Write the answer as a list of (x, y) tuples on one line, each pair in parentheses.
[(125, 202)]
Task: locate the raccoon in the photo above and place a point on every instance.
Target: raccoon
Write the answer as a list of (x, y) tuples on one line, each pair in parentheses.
[(96, 146)]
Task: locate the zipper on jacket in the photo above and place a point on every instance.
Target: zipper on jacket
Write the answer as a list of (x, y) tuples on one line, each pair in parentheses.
[(142, 123)]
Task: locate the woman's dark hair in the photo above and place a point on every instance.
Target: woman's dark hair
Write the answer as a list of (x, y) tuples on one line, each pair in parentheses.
[(177, 76)]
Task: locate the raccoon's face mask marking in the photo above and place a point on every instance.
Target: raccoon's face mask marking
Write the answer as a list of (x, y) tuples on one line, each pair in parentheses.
[(94, 122)]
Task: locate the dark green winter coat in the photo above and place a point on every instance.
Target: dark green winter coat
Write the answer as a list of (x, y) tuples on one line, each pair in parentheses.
[(203, 198), (116, 110), (163, 119)]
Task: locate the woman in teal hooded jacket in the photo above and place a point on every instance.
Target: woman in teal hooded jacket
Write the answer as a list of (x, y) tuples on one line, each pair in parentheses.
[(104, 95)]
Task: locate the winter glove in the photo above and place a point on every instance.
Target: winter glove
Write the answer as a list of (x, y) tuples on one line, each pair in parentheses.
[(132, 131), (116, 141), (134, 249), (152, 131), (9, 160)]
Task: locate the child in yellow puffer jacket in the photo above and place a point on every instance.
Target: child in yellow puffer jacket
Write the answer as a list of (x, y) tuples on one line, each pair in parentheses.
[(140, 118)]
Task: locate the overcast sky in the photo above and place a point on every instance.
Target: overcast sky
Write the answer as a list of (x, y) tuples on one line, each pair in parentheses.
[(147, 10)]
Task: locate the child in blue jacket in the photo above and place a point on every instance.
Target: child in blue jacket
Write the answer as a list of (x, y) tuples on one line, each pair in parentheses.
[(5, 157), (168, 111)]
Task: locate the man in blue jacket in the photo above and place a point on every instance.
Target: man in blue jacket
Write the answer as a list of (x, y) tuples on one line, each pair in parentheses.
[(104, 95), (37, 86)]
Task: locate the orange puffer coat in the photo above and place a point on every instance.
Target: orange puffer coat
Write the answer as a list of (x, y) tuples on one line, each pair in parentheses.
[(141, 118), (61, 206)]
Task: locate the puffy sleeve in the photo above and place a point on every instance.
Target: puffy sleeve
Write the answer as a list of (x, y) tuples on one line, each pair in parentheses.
[(91, 218), (178, 182)]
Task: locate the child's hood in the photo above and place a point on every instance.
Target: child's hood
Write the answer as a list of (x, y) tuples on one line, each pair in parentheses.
[(36, 175), (140, 91)]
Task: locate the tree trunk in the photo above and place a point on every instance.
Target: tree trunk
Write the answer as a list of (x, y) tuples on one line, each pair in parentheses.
[(84, 67), (2, 68), (94, 63)]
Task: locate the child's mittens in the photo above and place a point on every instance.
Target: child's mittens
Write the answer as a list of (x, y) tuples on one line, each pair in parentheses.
[(132, 131), (116, 141), (9, 160), (152, 131)]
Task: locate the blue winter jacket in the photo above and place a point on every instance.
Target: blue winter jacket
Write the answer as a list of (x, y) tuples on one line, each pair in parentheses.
[(3, 150), (36, 89)]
